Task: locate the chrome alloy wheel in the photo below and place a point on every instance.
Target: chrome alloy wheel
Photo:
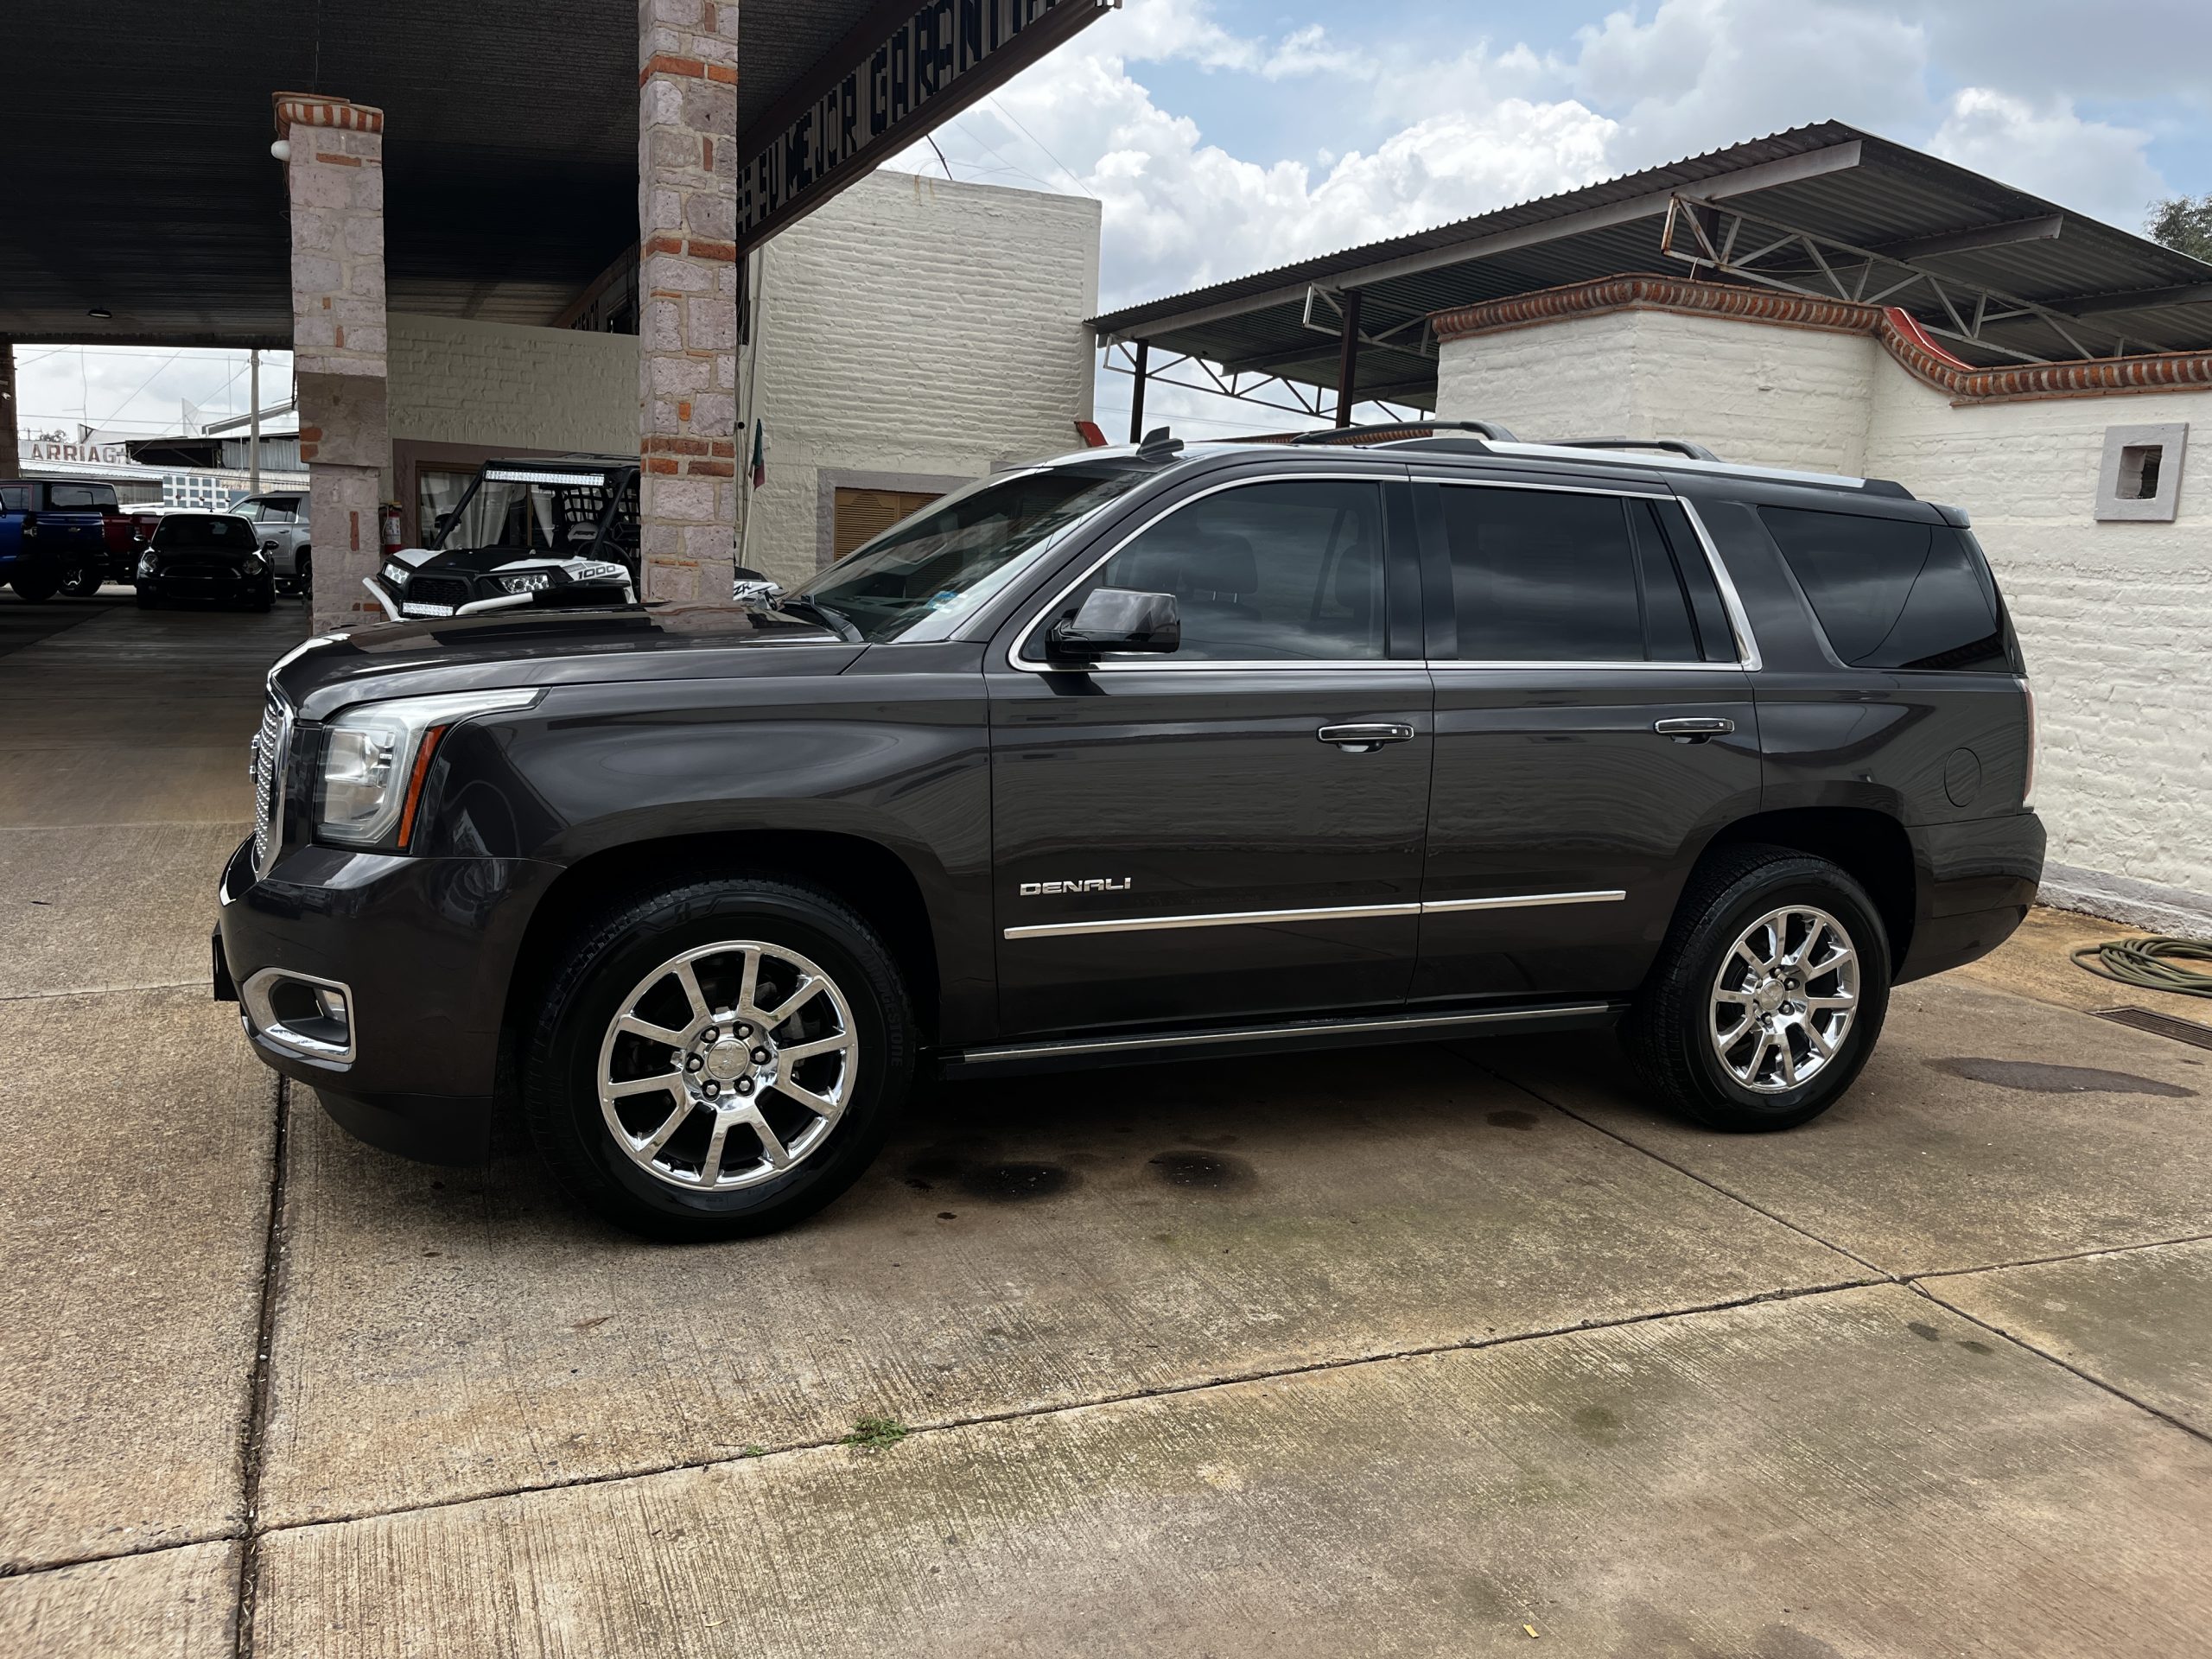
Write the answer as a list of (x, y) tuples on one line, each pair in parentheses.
[(1784, 999), (726, 1065)]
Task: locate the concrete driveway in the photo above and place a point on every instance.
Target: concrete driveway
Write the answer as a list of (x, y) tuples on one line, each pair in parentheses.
[(1441, 1349)]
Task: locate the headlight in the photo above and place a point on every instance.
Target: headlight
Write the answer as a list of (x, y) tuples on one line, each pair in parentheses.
[(255, 564), (375, 757), (145, 564), (395, 575), (534, 581)]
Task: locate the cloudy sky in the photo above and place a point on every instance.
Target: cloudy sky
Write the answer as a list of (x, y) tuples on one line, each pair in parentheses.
[(1224, 136)]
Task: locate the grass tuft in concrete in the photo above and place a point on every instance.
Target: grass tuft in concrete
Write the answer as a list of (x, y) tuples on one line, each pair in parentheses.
[(876, 1432)]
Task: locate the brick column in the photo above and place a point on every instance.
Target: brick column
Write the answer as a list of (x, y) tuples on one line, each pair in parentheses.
[(687, 345), (336, 177)]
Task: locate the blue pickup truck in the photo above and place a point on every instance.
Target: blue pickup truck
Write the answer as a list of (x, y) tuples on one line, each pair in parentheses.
[(52, 534)]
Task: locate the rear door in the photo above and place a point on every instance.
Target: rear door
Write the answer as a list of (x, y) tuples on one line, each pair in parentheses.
[(1232, 832), (1594, 722)]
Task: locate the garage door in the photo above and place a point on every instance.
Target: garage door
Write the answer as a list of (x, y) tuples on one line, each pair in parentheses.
[(863, 514)]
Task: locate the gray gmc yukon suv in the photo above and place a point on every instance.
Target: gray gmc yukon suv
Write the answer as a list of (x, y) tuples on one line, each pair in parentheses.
[(1137, 755)]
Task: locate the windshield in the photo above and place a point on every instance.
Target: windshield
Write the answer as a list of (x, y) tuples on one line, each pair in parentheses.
[(920, 577), (191, 530), (536, 516)]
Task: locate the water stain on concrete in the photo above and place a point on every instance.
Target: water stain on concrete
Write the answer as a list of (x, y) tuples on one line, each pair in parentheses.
[(1973, 1347), (1511, 1117), (2033, 1076), (1596, 1424), (1016, 1182), (1925, 1332), (1208, 1170)]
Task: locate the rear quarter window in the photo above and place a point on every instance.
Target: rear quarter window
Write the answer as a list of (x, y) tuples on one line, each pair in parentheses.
[(1892, 594), (15, 498)]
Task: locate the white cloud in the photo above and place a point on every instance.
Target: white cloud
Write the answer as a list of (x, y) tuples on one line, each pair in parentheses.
[(2051, 151), (1699, 75)]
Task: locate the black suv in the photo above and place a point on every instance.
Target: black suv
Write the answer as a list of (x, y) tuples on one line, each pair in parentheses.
[(1137, 755)]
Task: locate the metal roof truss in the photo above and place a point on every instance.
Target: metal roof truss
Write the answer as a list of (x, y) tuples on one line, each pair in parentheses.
[(1715, 236), (1269, 390)]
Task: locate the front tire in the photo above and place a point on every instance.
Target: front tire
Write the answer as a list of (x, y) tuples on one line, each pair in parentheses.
[(1767, 996), (717, 1058), (34, 589), (83, 582)]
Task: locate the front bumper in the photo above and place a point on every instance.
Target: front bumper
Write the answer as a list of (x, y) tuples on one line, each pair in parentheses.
[(424, 949), (208, 584)]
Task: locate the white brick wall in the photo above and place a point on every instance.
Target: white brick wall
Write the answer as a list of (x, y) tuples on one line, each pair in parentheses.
[(2116, 618), (915, 327), (2116, 621), (498, 384), (911, 328), (1773, 395)]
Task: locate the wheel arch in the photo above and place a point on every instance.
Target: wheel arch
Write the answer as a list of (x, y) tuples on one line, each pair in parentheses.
[(1871, 845), (867, 875)]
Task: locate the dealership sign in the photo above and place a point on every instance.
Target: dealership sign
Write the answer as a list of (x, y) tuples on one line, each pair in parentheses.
[(906, 68), (87, 448)]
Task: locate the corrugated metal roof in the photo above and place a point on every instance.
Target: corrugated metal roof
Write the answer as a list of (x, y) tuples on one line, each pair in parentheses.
[(1892, 193)]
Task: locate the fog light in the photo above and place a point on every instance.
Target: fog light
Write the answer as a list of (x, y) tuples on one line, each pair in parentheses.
[(313, 1018)]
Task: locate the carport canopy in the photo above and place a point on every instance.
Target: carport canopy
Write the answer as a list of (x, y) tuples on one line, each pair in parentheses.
[(142, 205), (1999, 274)]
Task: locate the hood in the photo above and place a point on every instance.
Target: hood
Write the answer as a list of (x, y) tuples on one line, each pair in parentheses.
[(542, 645)]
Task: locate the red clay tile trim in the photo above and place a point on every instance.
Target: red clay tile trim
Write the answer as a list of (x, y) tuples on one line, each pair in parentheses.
[(668, 63), (310, 109), (2082, 377)]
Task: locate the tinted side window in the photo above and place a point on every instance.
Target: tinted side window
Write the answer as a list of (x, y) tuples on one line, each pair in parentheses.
[(1716, 635), (15, 498), (1266, 572), (1891, 593), (1542, 575)]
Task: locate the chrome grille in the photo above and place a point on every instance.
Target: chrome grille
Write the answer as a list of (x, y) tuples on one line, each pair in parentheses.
[(265, 765)]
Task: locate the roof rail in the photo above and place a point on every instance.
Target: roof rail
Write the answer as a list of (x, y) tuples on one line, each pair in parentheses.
[(1680, 456), (1489, 430), (1679, 446)]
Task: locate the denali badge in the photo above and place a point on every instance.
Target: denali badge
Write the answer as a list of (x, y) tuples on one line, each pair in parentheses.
[(1096, 884)]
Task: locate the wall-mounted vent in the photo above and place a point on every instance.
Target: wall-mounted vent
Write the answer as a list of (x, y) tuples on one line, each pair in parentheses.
[(2140, 480)]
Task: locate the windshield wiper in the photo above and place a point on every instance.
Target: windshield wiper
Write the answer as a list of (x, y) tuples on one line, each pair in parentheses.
[(836, 621)]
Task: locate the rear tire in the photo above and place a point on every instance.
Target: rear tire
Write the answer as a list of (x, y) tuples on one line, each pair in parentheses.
[(625, 1119), (1751, 1019), (34, 589), (303, 577), (83, 582)]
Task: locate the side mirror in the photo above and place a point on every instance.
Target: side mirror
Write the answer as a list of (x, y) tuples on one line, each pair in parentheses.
[(1115, 619)]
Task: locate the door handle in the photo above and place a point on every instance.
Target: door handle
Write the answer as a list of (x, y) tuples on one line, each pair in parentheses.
[(1694, 729), (1361, 739)]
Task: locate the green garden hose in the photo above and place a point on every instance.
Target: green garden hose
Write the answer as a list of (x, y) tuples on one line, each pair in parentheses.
[(2151, 963)]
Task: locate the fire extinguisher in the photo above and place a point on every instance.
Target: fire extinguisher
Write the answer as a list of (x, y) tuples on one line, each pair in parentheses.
[(388, 524)]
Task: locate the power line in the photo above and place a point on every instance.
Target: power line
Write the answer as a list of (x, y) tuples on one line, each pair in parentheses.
[(992, 100)]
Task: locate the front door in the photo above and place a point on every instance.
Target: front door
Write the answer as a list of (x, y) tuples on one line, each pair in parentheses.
[(1594, 721), (1234, 831)]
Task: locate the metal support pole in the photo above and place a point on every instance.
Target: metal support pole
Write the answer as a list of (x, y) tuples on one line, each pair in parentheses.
[(253, 429), (1348, 359), (1137, 397), (9, 462)]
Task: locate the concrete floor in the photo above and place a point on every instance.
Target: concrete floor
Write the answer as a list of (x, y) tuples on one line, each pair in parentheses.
[(1439, 1350)]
